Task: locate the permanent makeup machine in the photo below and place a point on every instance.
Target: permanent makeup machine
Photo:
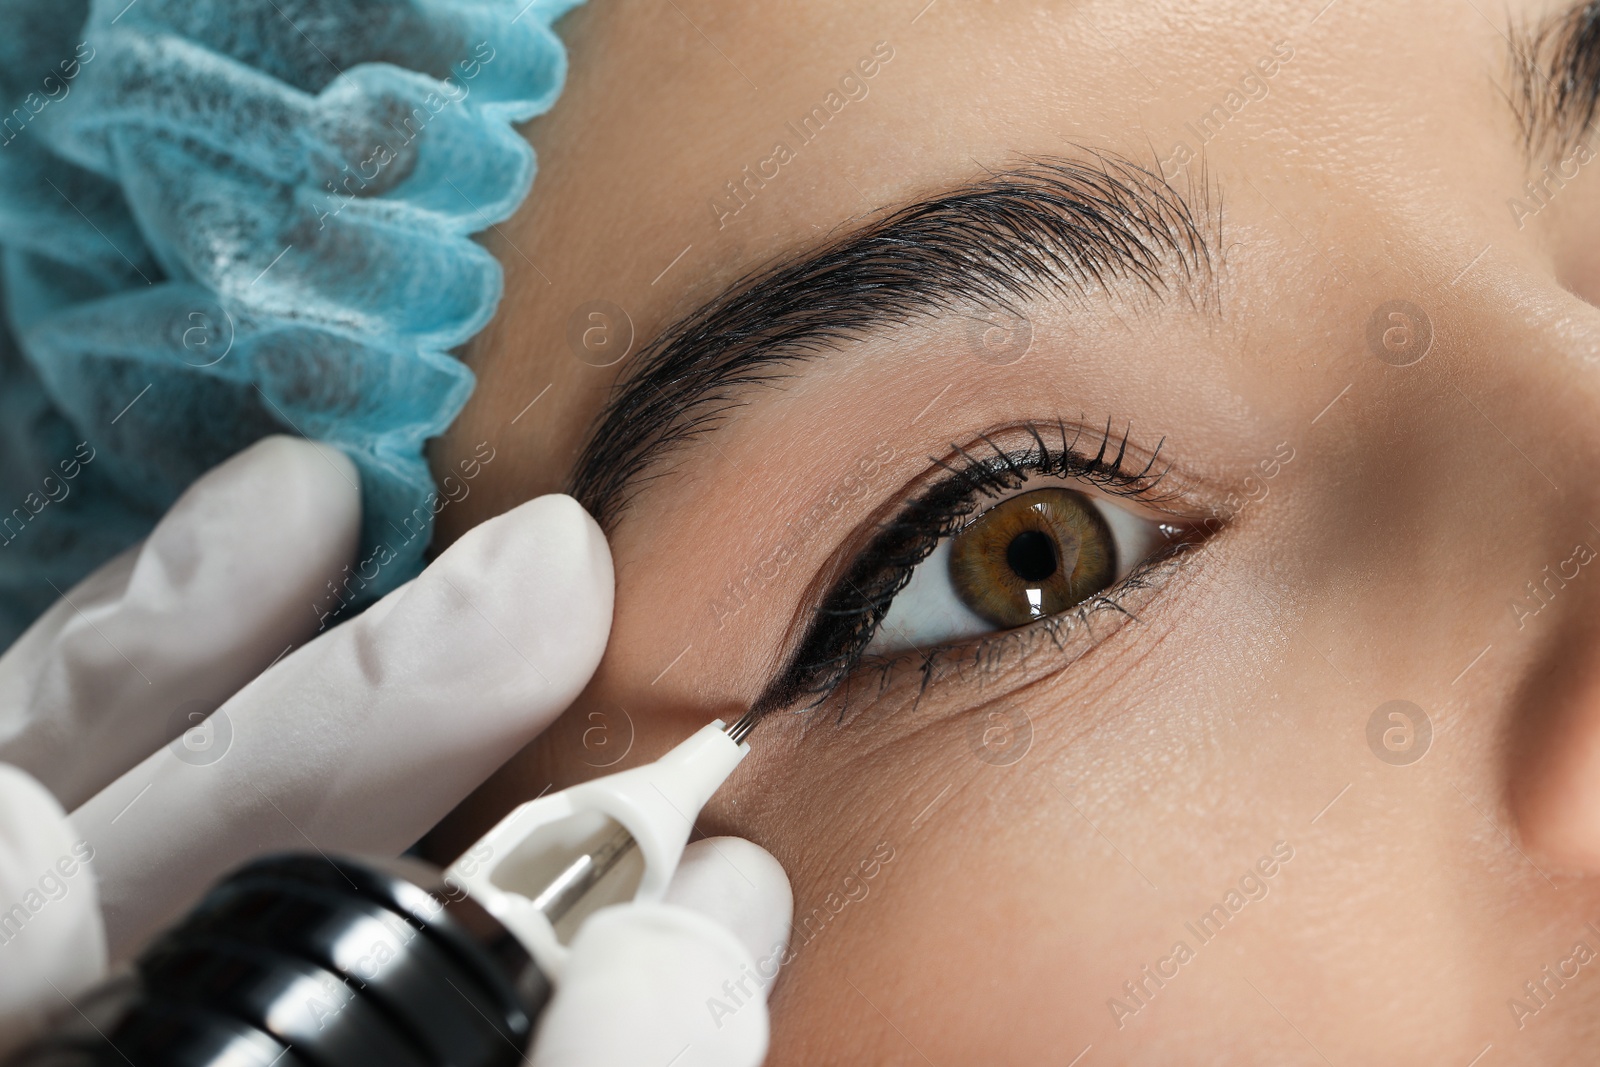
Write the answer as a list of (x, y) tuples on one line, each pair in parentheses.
[(303, 959)]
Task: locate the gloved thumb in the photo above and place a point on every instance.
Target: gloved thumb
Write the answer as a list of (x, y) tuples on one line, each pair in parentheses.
[(682, 982), (51, 942)]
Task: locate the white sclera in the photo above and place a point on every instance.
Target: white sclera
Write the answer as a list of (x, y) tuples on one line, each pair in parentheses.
[(928, 610)]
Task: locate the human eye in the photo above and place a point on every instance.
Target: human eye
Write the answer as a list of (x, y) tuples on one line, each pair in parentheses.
[(1022, 535), (1038, 553)]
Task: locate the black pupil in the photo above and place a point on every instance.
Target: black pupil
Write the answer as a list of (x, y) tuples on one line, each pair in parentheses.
[(1032, 554)]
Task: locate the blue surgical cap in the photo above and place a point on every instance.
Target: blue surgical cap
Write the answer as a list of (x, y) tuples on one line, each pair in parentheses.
[(222, 219)]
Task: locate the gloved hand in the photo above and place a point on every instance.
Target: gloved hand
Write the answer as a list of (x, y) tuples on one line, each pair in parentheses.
[(50, 933), (683, 982), (356, 742)]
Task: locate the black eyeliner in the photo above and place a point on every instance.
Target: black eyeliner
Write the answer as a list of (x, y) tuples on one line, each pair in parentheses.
[(849, 614)]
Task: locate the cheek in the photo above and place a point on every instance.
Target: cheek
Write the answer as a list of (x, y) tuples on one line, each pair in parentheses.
[(979, 896), (1007, 920), (993, 936)]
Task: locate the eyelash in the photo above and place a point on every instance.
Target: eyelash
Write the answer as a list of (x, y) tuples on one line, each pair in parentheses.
[(1558, 88), (849, 615)]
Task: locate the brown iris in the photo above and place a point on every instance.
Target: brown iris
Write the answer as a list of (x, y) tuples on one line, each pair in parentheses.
[(1033, 555)]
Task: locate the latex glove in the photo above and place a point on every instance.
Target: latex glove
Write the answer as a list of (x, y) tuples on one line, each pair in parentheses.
[(51, 943), (129, 658), (684, 982), (177, 624), (362, 740), (327, 748), (357, 742)]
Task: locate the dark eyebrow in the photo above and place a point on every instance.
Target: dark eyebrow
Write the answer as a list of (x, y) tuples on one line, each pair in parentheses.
[(1047, 227), (1556, 78)]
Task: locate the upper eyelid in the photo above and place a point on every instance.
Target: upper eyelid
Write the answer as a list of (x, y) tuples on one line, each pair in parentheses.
[(1169, 487), (1181, 496), (784, 688)]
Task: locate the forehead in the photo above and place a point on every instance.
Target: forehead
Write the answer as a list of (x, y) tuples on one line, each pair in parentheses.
[(698, 142)]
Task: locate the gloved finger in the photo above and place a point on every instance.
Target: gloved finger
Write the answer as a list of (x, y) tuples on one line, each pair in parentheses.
[(51, 942), (654, 984), (364, 738), (683, 982), (158, 638), (740, 885)]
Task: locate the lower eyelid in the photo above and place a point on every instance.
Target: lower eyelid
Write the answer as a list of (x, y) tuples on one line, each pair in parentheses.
[(1003, 662)]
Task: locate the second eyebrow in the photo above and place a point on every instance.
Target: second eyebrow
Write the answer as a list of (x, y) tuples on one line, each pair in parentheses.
[(1556, 71), (1049, 227)]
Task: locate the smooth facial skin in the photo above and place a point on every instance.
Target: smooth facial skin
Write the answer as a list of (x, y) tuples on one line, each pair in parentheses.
[(1060, 820)]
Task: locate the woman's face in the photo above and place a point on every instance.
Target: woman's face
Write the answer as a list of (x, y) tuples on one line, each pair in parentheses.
[(1290, 255)]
